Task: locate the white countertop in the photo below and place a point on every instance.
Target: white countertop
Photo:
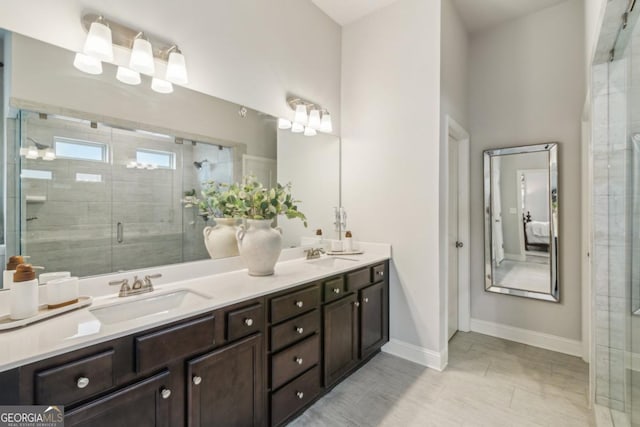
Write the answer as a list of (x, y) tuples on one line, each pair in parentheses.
[(220, 280)]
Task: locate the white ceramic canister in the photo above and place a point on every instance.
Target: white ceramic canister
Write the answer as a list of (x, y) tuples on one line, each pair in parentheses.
[(45, 278), (62, 291)]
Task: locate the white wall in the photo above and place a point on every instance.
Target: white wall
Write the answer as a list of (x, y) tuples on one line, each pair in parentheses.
[(593, 13), (251, 52), (527, 86), (390, 149)]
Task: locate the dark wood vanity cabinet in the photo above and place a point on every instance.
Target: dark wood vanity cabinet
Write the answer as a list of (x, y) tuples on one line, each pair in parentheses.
[(226, 387), (256, 363)]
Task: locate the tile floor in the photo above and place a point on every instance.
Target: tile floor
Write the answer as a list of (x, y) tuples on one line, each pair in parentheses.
[(489, 382)]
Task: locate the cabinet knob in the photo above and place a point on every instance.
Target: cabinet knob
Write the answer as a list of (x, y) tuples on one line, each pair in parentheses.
[(299, 304), (300, 330), (366, 300), (196, 380), (336, 290), (381, 273), (300, 395), (82, 382), (356, 304), (298, 360), (248, 321), (165, 393)]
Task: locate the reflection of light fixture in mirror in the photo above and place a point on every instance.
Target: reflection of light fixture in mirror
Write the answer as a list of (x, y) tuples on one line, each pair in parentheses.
[(98, 43), (284, 123), (309, 131), (87, 64), (128, 76), (297, 128), (48, 154), (301, 114), (37, 150), (314, 119), (142, 56), (176, 67), (325, 125), (161, 86)]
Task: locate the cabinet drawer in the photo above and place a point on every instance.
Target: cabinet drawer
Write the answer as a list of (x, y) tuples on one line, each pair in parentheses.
[(244, 322), (333, 288), (294, 303), (358, 279), (293, 361), (75, 381), (295, 329), (294, 396), (162, 347), (379, 272)]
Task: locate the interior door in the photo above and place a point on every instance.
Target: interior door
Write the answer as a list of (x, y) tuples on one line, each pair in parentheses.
[(453, 237)]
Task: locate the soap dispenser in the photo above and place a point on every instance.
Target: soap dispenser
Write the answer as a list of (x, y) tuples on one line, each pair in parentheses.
[(348, 242), (24, 293), (7, 275)]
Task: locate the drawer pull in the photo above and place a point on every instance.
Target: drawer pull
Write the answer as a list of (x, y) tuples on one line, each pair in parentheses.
[(356, 304), (196, 380), (300, 395), (165, 393), (298, 360), (248, 321), (82, 382), (299, 304), (300, 330), (366, 300), (336, 290)]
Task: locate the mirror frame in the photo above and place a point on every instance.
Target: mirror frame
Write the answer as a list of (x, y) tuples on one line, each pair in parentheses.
[(554, 284)]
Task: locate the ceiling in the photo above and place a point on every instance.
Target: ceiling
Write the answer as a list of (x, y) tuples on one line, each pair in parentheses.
[(477, 15)]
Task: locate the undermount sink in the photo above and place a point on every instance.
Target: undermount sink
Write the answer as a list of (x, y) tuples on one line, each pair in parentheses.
[(332, 262), (152, 305)]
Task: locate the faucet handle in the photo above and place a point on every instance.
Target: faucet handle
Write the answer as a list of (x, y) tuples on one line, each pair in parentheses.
[(147, 279), (123, 282)]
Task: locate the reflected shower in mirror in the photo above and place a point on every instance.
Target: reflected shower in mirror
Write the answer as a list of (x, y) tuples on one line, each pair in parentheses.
[(521, 217)]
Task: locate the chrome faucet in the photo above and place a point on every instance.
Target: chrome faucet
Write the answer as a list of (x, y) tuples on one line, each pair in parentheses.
[(314, 253), (138, 287)]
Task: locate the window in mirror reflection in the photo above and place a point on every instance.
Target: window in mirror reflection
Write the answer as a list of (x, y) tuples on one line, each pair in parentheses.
[(66, 148)]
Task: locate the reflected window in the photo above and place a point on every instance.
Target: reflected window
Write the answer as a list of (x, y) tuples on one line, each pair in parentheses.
[(88, 177), (75, 149), (155, 158), (36, 174)]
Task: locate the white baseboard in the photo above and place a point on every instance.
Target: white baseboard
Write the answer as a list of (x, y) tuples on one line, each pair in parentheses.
[(525, 336), (420, 355)]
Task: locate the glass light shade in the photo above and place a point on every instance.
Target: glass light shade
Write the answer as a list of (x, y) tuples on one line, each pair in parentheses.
[(161, 86), (176, 69), (309, 131), (32, 153), (301, 114), (98, 43), (142, 57), (47, 154), (128, 76), (284, 123), (297, 128), (314, 119), (325, 125), (87, 64), (131, 164)]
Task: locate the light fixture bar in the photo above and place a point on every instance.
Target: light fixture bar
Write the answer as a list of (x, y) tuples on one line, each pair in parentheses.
[(124, 36)]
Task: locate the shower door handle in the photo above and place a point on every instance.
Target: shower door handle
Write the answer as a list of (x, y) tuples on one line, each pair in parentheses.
[(120, 232)]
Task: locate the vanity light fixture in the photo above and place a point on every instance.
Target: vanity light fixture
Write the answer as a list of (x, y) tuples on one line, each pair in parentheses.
[(318, 119), (103, 35), (128, 76), (142, 55), (99, 44)]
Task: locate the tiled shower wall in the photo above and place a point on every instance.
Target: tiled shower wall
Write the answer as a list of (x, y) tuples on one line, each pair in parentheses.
[(616, 119), (71, 225)]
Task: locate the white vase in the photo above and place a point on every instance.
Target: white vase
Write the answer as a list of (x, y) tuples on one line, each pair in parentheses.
[(221, 239), (259, 246)]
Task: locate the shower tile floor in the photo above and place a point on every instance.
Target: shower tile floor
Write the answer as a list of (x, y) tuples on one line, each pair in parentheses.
[(488, 382)]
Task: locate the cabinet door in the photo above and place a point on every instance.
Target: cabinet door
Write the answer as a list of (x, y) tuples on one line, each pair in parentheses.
[(226, 387), (146, 403), (373, 319), (340, 338)]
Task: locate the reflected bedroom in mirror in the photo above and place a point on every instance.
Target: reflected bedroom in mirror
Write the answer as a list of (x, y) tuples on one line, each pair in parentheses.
[(521, 221)]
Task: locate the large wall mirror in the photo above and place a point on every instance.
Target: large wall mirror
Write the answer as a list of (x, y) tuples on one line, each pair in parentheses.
[(97, 170), (521, 221)]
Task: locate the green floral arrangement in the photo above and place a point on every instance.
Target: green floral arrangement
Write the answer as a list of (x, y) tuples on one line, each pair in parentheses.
[(249, 200)]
